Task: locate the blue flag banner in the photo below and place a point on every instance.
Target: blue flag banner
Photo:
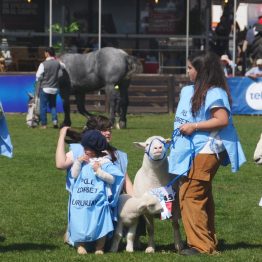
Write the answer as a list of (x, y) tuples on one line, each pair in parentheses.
[(14, 91), (6, 148), (246, 95)]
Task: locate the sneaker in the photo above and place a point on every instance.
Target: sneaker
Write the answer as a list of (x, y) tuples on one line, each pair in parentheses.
[(55, 124), (189, 252), (43, 127)]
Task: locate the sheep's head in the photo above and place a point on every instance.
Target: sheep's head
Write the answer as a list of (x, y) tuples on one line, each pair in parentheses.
[(149, 204), (258, 152), (155, 147)]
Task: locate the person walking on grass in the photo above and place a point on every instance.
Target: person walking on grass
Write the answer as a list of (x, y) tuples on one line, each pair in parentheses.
[(47, 83), (204, 138)]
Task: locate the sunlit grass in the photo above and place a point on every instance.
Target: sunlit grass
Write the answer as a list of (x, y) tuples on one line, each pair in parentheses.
[(33, 211)]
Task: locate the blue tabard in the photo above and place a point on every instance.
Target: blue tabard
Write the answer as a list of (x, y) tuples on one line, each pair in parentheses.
[(6, 148), (183, 147), (89, 220), (78, 150), (121, 161)]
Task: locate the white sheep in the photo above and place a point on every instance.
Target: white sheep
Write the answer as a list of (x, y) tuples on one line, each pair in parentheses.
[(258, 152), (129, 210), (154, 174)]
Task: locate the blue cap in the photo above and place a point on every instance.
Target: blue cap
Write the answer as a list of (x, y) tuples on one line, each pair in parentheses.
[(94, 140)]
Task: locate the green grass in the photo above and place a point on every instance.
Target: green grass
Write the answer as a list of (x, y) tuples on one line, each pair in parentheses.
[(33, 210)]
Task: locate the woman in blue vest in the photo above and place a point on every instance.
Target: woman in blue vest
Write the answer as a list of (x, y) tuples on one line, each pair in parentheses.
[(204, 137), (94, 192)]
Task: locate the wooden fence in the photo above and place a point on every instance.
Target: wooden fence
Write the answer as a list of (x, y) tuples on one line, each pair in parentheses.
[(148, 93)]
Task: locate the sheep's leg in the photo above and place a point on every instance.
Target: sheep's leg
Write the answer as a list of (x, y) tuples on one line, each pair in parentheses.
[(117, 237), (130, 237), (177, 236), (175, 217), (150, 230)]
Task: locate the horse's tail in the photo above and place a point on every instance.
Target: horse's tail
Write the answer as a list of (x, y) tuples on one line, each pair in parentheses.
[(134, 66)]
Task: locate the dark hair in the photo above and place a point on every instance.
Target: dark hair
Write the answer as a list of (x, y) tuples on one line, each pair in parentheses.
[(209, 74), (94, 140), (50, 50), (100, 123)]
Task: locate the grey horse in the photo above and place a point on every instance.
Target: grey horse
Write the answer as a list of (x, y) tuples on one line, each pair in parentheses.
[(106, 68)]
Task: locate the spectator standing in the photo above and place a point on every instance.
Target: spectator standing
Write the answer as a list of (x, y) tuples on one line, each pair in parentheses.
[(47, 82), (206, 139), (2, 63), (256, 71)]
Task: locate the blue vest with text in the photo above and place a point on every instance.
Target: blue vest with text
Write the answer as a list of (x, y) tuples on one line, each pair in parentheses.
[(184, 148)]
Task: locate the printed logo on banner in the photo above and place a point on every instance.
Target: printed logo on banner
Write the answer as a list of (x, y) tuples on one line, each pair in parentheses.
[(254, 96)]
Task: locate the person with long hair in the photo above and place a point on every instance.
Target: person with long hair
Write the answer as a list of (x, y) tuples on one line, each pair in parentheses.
[(204, 138)]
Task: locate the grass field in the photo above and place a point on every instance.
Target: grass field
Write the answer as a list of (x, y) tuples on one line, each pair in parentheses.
[(33, 210)]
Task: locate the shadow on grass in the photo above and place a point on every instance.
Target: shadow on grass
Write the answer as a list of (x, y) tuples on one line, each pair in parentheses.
[(26, 247), (168, 248), (222, 245), (2, 238)]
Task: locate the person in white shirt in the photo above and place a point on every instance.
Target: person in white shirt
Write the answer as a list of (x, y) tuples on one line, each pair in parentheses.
[(47, 79), (256, 71), (227, 65)]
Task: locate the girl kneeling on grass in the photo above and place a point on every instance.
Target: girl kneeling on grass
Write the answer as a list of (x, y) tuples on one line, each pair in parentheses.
[(94, 192)]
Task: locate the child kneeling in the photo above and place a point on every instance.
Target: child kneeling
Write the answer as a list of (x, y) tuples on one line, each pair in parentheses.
[(95, 192)]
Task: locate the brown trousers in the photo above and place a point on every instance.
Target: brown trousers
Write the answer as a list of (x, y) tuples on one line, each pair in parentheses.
[(197, 204)]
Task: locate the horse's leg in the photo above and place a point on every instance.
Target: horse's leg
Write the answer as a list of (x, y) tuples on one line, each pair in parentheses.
[(80, 102), (123, 102), (65, 95), (113, 106)]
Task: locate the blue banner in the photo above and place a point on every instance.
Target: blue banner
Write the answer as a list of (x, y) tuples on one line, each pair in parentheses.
[(246, 95), (14, 91)]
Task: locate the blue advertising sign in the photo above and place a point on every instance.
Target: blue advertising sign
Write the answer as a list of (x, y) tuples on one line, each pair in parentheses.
[(246, 95), (14, 91)]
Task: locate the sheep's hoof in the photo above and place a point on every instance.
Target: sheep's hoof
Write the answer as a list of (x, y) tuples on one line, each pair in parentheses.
[(129, 249), (179, 246), (150, 250), (99, 252)]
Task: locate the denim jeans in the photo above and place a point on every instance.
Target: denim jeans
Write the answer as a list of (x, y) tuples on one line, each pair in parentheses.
[(45, 101)]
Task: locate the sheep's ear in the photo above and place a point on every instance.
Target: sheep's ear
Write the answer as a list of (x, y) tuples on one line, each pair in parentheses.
[(141, 207), (140, 144)]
